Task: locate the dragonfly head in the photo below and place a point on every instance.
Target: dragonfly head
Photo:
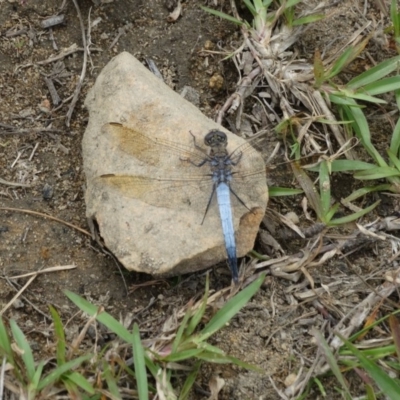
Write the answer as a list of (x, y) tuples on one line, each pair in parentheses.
[(216, 139)]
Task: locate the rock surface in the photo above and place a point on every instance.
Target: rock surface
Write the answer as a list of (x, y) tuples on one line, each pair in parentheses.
[(167, 240)]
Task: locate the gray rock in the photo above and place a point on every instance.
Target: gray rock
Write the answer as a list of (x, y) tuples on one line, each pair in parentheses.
[(156, 240)]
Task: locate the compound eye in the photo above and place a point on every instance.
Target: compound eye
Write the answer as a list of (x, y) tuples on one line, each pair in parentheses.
[(215, 138)]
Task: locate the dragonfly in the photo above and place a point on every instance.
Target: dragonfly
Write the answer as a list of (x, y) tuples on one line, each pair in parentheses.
[(196, 173)]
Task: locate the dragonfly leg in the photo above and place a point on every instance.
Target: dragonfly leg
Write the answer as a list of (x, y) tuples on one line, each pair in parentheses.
[(209, 202), (240, 200), (234, 163)]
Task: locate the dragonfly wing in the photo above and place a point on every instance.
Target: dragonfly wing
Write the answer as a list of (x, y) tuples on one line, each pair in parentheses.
[(167, 192), (153, 150), (249, 180)]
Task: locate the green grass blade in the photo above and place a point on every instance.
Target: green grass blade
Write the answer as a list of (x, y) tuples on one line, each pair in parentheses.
[(366, 190), (395, 17), (375, 73), (361, 128), (291, 3), (56, 374), (377, 173), (275, 191), (37, 375), (222, 15), (308, 19), (112, 384), (383, 86), (183, 355), (308, 187), (182, 327), (331, 212), (140, 364), (5, 344), (105, 318), (230, 309), (187, 386), (366, 97), (80, 381), (354, 216), (344, 59), (197, 317), (388, 385), (394, 159), (251, 8), (344, 166), (338, 98), (395, 140), (223, 359), (59, 336), (330, 358), (324, 188), (23, 344)]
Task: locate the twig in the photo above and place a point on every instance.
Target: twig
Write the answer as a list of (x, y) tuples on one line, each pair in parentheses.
[(33, 151), (10, 303), (33, 276), (83, 73), (15, 184), (64, 53), (53, 92), (85, 232)]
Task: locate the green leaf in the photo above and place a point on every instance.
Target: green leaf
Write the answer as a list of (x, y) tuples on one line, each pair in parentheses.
[(366, 190), (80, 381), (375, 73), (395, 140), (5, 344), (395, 17), (230, 309), (291, 3), (275, 191), (311, 193), (388, 385), (190, 380), (383, 86), (394, 159), (319, 70), (366, 97), (361, 128), (195, 320), (37, 375), (23, 344), (337, 98), (308, 19), (330, 358), (105, 318), (222, 15), (354, 216), (324, 188), (140, 364), (59, 336), (179, 334), (112, 384), (344, 166), (220, 359), (344, 59), (377, 173), (251, 8), (56, 374), (182, 355)]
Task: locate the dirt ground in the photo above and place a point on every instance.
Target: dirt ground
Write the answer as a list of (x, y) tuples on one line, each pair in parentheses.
[(38, 149)]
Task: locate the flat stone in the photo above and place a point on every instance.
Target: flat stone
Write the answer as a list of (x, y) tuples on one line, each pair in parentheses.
[(159, 240)]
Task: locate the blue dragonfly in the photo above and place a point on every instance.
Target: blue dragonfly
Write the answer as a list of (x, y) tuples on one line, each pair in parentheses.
[(195, 173)]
